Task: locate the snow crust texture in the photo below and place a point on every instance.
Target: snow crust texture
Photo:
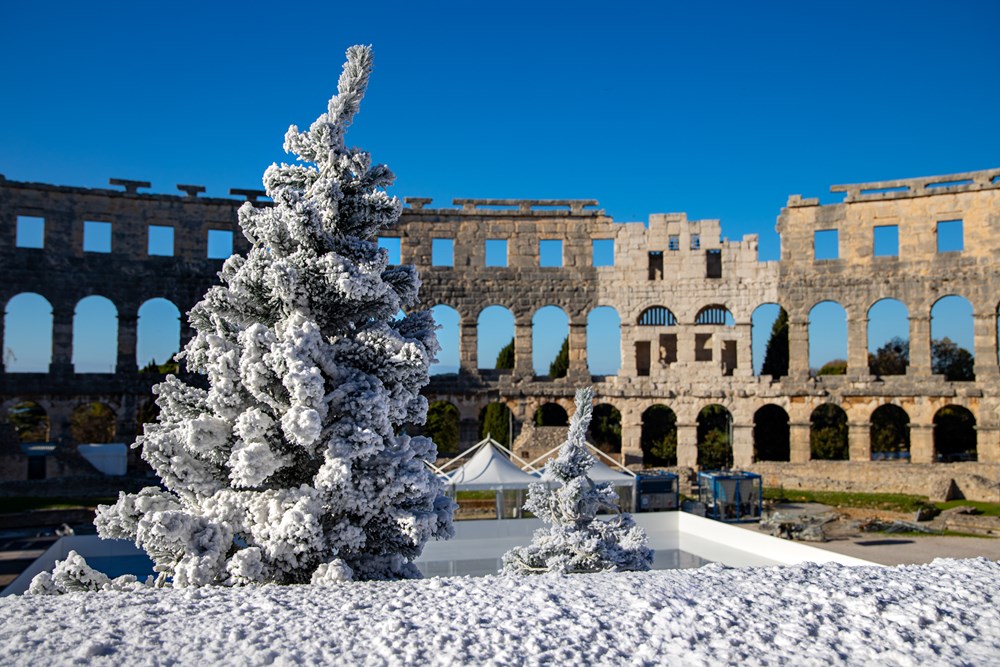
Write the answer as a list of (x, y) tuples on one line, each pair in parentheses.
[(287, 468), (576, 541), (945, 613)]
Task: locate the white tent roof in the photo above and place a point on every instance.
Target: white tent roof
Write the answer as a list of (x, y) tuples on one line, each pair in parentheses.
[(489, 469), (600, 472)]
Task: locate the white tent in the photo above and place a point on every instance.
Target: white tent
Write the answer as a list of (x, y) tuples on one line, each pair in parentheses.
[(490, 468), (619, 477)]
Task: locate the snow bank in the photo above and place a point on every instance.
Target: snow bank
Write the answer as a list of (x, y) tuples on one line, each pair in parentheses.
[(947, 612)]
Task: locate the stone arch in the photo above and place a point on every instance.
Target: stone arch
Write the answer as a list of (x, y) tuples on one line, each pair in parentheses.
[(551, 414), (30, 421), (888, 337), (442, 426), (828, 433), (27, 334), (495, 338), (828, 338), (158, 332), (605, 430), (659, 436), (449, 338), (604, 341), (769, 331), (952, 342), (771, 434), (497, 420), (656, 316), (93, 423), (715, 441), (716, 315), (95, 335), (890, 433), (955, 437), (549, 335)]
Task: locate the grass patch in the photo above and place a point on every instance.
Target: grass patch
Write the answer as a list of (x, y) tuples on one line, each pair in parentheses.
[(890, 502), (23, 504), (475, 495), (987, 509)]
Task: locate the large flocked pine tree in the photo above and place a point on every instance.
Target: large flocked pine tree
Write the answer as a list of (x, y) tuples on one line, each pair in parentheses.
[(576, 540), (288, 469)]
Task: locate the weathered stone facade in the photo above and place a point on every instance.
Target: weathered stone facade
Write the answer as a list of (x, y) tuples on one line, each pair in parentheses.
[(685, 298)]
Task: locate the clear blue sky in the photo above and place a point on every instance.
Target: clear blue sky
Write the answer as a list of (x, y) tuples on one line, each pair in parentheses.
[(718, 109)]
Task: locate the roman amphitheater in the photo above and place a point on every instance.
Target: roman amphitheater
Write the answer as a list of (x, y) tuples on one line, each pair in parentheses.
[(685, 298)]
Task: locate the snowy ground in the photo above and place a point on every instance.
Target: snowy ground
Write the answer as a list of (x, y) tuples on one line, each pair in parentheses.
[(944, 613)]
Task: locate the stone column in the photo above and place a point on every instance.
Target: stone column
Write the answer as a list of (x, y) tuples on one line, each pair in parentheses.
[(987, 444), (798, 440), (798, 348), (628, 368), (127, 336), (468, 347), (920, 346), (687, 445), (857, 346), (859, 441), (744, 349), (522, 348), (62, 339), (578, 351), (631, 440), (685, 346), (985, 345), (742, 445), (921, 443)]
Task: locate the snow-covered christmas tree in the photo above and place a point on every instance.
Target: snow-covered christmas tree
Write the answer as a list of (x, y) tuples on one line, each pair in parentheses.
[(288, 469), (576, 540)]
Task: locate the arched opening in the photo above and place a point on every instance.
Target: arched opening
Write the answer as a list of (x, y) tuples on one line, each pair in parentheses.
[(715, 438), (606, 428), (659, 436), (715, 314), (95, 336), (952, 344), (604, 341), (657, 316), (828, 339), (656, 347), (890, 433), (828, 433), (771, 436), (495, 421), (551, 414), (888, 338), (30, 421), (92, 423), (158, 336), (954, 435), (448, 357), (495, 338), (769, 340), (549, 341), (442, 427), (27, 334)]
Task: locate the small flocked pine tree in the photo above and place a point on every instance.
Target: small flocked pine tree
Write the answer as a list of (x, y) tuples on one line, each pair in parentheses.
[(288, 469), (568, 500)]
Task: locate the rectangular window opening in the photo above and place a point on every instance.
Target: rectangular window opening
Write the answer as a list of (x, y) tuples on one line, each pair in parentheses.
[(674, 243), (603, 252), (220, 243), (161, 241), (949, 236), (642, 358), (728, 357), (30, 232), (668, 349), (695, 242), (496, 252), (826, 244), (656, 265), (550, 252), (442, 252), (703, 347), (392, 245), (713, 264), (885, 241), (97, 236)]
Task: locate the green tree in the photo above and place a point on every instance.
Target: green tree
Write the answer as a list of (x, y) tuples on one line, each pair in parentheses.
[(606, 428), (92, 423), (890, 359), (560, 365), (835, 367), (828, 436), (496, 423), (714, 449), (30, 422), (776, 353), (952, 361), (890, 431), (442, 426), (954, 434), (505, 358), (659, 436)]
